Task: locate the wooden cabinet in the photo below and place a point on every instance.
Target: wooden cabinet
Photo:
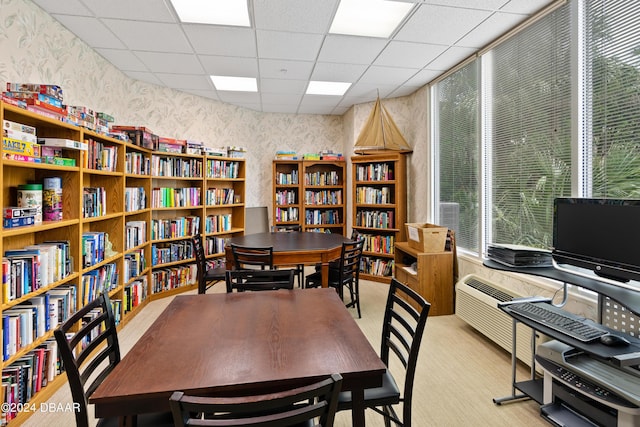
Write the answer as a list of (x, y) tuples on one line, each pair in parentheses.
[(379, 209), (429, 274), (310, 193), (123, 227)]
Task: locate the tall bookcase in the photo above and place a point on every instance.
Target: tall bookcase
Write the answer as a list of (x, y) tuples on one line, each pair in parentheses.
[(310, 193), (109, 196), (379, 209)]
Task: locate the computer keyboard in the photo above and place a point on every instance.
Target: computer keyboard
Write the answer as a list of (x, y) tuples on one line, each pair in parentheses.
[(557, 319)]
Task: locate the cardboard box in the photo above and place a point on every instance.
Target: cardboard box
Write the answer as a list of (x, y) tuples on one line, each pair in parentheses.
[(426, 237)]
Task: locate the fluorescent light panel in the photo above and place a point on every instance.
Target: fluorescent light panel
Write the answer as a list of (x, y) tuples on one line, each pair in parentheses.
[(235, 84), (369, 18), (216, 12), (327, 88)]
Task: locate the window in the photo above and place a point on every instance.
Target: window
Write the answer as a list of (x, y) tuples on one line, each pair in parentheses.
[(560, 115)]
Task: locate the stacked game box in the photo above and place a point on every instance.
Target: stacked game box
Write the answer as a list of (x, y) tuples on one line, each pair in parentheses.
[(45, 99), (19, 142)]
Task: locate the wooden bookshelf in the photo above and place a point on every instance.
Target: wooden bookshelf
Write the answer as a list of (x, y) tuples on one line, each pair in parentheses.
[(126, 213), (379, 209), (287, 193)]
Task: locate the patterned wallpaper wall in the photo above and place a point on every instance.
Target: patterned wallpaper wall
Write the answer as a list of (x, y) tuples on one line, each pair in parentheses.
[(36, 48)]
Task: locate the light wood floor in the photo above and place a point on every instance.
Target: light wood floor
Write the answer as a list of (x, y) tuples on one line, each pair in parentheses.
[(459, 372)]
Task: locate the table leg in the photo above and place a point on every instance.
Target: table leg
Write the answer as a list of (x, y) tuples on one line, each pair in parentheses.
[(357, 408), (128, 421), (325, 274)]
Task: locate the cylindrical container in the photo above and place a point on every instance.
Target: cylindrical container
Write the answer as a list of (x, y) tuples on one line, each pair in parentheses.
[(52, 199), (30, 196)]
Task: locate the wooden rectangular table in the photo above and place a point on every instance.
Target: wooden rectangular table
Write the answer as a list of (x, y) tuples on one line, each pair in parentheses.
[(238, 343)]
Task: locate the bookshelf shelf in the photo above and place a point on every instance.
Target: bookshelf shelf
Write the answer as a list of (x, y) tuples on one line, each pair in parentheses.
[(127, 217), (379, 209)]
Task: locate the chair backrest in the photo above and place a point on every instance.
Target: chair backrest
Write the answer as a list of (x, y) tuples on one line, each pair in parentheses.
[(351, 255), (287, 408), (201, 260), (405, 318), (245, 257), (86, 373), (259, 280)]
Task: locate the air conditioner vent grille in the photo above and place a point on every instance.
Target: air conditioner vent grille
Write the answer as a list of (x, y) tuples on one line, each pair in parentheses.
[(489, 290)]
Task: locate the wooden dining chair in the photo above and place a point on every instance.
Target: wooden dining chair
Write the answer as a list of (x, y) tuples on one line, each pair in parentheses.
[(292, 228), (347, 275), (259, 280), (207, 276), (90, 354), (295, 407), (249, 257), (405, 318)]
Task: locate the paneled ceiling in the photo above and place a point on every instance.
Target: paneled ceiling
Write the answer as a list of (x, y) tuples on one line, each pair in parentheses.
[(287, 45)]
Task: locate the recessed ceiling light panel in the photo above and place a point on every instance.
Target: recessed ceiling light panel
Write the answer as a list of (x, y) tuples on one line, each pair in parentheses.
[(327, 88), (215, 12), (236, 84), (369, 18)]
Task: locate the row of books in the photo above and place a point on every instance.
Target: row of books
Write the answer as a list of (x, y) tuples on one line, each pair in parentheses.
[(319, 217), (27, 376), (376, 266), (287, 178), (175, 227), (135, 199), (214, 245), (286, 214), (94, 202), (324, 197), (98, 281), (24, 323), (220, 196), (375, 219), (323, 155), (168, 197), (28, 269), (93, 245), (135, 234), (173, 252), (322, 178), (134, 264), (222, 169), (134, 294), (374, 172), (178, 167), (382, 244), (218, 223), (286, 197), (165, 279), (373, 195), (137, 163), (101, 156)]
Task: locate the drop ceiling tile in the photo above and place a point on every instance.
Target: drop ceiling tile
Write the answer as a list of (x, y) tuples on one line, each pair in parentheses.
[(154, 37), (423, 77), (279, 69), (409, 54), (279, 109), (440, 24), (387, 75), (316, 109), (320, 100), (525, 6), (283, 45), (450, 57), (229, 66), (125, 60), (305, 16), (178, 63), (141, 10), (404, 90), (144, 77), (185, 81), (469, 4), (214, 40), (334, 72), (368, 91), (490, 29), (91, 31), (351, 49), (68, 7), (283, 86), (281, 98), (252, 98)]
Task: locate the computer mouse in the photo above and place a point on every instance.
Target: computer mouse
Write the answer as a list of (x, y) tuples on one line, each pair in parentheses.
[(614, 340)]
